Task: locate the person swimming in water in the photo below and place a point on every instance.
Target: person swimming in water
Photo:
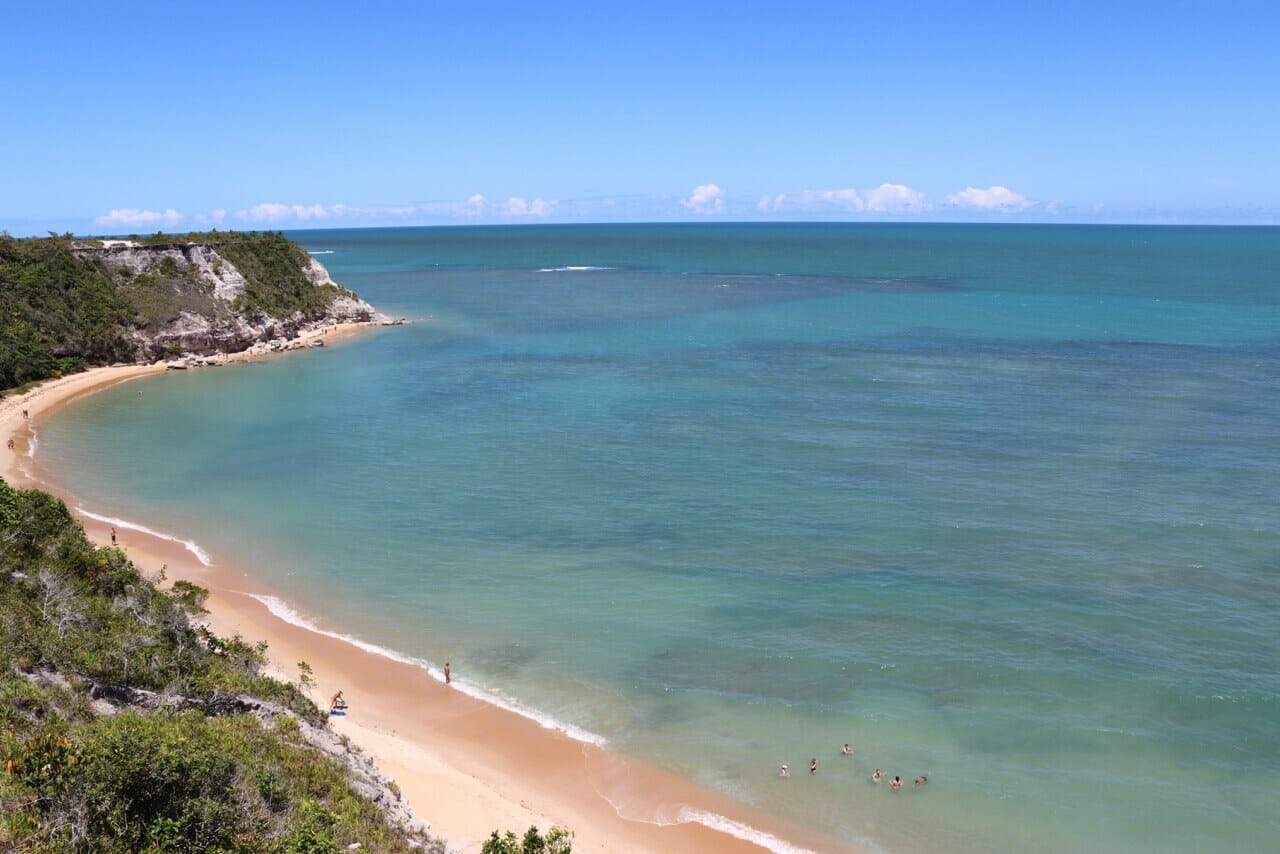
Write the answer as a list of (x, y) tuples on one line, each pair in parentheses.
[(783, 772), (921, 780), (846, 750), (896, 784), (875, 778)]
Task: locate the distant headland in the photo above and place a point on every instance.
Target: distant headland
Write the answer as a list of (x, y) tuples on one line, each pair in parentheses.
[(70, 303)]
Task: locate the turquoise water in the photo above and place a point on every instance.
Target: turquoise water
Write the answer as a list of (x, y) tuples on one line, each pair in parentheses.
[(996, 504)]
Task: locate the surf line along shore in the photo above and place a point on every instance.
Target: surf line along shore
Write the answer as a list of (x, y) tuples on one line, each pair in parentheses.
[(466, 766)]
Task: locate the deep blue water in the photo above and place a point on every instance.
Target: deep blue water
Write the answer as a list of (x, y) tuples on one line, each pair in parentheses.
[(997, 504)]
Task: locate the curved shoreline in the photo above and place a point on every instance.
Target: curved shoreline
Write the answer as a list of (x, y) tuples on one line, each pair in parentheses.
[(466, 764)]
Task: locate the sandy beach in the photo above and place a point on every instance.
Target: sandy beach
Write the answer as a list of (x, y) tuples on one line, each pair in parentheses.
[(466, 766)]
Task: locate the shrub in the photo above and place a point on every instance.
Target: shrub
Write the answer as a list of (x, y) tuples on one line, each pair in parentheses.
[(557, 841)]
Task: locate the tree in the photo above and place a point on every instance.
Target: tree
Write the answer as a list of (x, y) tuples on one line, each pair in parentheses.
[(306, 677), (557, 841)]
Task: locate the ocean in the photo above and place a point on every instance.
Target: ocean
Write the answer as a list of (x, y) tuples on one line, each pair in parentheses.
[(995, 504)]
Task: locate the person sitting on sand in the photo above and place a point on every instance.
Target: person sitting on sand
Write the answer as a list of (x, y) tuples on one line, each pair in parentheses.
[(875, 778), (896, 784), (921, 780), (337, 703), (783, 772), (846, 750)]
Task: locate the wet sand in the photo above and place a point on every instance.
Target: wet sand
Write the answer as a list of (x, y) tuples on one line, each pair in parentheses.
[(467, 767)]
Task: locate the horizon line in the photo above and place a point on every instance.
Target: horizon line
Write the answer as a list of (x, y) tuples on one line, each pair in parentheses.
[(650, 223)]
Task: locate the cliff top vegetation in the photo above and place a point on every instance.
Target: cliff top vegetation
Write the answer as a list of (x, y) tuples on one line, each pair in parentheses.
[(65, 305)]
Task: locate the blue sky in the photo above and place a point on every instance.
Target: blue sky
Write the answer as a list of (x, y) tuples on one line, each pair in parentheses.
[(139, 117)]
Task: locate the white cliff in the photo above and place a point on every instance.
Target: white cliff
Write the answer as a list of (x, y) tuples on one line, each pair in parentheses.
[(193, 294)]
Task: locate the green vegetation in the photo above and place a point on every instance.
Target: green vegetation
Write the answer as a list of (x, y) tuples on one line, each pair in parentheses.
[(557, 841), (63, 306), (273, 267), (57, 313), (160, 295), (181, 762)]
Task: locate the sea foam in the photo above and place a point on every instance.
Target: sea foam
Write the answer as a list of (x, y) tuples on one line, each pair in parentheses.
[(572, 269), (194, 548), (282, 610), (737, 829)]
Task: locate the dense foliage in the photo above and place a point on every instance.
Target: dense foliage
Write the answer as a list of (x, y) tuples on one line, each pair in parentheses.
[(60, 312), (273, 267), (56, 312), (180, 774), (556, 841)]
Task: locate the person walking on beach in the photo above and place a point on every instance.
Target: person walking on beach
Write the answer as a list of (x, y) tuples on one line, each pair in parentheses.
[(11, 444), (447, 677), (113, 535)]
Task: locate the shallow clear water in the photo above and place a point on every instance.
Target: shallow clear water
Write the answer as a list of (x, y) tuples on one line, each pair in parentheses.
[(997, 504)]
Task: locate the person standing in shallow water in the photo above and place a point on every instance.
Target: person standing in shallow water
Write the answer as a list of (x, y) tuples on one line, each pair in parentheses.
[(813, 765), (447, 677)]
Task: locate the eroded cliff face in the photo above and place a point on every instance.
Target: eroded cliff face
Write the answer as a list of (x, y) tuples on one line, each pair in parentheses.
[(190, 299), (223, 278)]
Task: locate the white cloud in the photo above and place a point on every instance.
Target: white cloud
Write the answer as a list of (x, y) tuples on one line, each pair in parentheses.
[(132, 217), (995, 198), (705, 199), (469, 208), (887, 198), (277, 212), (847, 200), (517, 206), (766, 204), (813, 200), (274, 212), (895, 198), (218, 215)]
